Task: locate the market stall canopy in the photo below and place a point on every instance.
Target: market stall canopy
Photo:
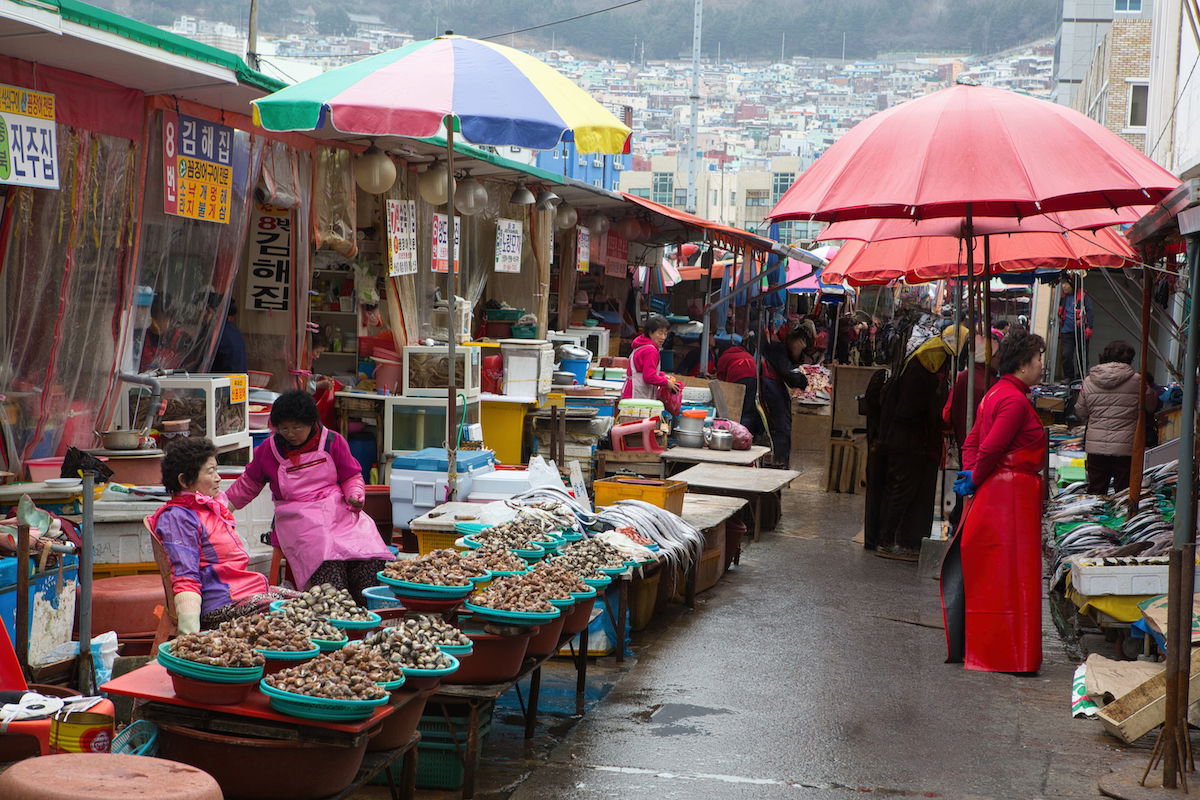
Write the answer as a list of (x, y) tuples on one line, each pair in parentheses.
[(810, 281), (75, 36), (725, 236), (925, 258), (973, 150), (499, 96)]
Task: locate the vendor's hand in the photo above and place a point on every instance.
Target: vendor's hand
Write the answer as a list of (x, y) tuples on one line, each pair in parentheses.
[(355, 502), (1087, 334), (965, 485)]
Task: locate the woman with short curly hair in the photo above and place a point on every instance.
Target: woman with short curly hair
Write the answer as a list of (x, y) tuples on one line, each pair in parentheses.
[(992, 573), (210, 573)]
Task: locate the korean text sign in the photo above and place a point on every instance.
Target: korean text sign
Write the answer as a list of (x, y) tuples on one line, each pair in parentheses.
[(402, 237), (269, 285), (508, 245), (197, 168), (28, 140), (583, 249), (441, 242)]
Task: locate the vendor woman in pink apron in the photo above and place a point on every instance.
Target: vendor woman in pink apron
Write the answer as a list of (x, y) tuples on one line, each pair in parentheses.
[(319, 493)]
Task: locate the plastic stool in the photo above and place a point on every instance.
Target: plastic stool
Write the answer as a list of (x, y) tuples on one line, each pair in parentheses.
[(646, 429), (105, 776), (126, 604)]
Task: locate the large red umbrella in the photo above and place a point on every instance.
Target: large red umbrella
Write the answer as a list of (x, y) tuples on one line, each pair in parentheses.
[(884, 250), (916, 259), (973, 150)]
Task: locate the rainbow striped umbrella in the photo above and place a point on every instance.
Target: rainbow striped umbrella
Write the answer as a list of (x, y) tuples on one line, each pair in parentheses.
[(499, 95)]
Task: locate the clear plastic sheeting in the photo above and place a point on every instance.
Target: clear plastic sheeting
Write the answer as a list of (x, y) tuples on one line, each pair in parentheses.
[(277, 341), (335, 202), (67, 280), (191, 264), (280, 184)]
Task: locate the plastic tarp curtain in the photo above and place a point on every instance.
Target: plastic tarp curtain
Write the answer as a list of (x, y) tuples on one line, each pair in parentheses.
[(190, 264), (67, 277), (269, 333), (335, 211)]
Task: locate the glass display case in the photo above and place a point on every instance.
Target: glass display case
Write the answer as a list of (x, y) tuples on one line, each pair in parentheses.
[(427, 370), (215, 405), (414, 423)]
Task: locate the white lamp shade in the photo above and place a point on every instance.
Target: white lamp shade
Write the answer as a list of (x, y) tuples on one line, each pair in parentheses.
[(566, 216), (374, 172), (432, 185), (598, 224), (470, 197), (628, 228), (521, 196)]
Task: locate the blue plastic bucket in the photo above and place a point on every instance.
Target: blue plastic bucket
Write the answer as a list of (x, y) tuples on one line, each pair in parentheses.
[(576, 366)]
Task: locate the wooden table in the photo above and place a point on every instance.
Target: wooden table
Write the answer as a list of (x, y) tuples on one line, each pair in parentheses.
[(702, 455), (707, 511), (747, 482), (641, 463), (38, 491), (255, 717)]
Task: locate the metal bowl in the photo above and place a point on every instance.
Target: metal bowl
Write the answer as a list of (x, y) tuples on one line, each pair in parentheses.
[(689, 438), (120, 440)]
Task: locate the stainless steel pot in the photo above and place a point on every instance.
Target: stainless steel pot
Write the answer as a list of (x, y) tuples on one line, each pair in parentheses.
[(562, 378), (689, 438), (690, 425), (120, 440), (718, 439)]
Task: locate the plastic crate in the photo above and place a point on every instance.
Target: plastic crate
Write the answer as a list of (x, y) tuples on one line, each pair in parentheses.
[(643, 600), (524, 331), (503, 314), (667, 494), (118, 570), (434, 728), (439, 765), (428, 541)]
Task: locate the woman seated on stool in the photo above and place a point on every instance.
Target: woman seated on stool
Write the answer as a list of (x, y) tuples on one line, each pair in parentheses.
[(209, 563), (319, 494)]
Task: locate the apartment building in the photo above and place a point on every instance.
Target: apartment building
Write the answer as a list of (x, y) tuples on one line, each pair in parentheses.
[(1115, 90)]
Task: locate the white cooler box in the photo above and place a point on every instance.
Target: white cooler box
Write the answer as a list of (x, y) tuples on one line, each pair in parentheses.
[(419, 480), (499, 484)]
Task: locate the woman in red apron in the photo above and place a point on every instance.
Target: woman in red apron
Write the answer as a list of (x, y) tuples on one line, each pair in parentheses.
[(319, 493), (992, 573), (644, 378)]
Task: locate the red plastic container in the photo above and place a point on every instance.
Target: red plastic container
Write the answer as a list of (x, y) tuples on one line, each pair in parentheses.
[(126, 604), (399, 726), (378, 507), (497, 330), (545, 641), (494, 659), (578, 617), (493, 374), (210, 693)]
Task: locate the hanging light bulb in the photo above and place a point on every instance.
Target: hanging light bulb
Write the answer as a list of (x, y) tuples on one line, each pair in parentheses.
[(432, 185), (547, 200), (470, 197), (374, 172), (598, 224), (628, 228), (521, 196), (566, 216)]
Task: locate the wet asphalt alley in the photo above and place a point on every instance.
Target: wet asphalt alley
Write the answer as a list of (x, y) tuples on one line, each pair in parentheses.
[(813, 670)]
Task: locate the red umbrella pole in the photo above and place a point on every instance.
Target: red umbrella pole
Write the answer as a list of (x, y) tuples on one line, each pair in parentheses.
[(451, 317), (987, 306), (969, 232)]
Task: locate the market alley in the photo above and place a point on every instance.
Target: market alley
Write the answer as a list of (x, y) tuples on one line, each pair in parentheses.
[(814, 670)]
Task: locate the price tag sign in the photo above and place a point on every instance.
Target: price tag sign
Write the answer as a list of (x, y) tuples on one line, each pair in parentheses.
[(237, 388), (402, 237), (508, 245)]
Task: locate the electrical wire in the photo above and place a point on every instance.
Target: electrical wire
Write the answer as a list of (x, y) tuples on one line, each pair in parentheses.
[(561, 21)]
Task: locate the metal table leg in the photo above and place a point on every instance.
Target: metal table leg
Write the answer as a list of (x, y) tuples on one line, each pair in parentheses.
[(622, 615), (535, 683), (581, 666), (757, 516), (469, 755), (689, 595)]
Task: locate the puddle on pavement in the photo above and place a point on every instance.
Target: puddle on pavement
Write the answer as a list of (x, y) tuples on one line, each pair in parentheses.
[(667, 718)]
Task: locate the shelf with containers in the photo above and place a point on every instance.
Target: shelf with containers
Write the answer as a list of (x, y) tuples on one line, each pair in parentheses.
[(333, 307)]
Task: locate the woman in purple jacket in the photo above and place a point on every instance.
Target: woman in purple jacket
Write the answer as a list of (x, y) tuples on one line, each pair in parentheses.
[(319, 493)]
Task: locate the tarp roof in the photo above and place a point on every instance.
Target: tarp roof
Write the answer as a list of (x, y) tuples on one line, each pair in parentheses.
[(726, 235), (76, 36)]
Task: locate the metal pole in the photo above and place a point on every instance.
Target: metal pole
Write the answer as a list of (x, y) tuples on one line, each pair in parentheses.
[(451, 327), (693, 130), (1139, 434), (987, 309), (969, 232), (21, 617), (252, 36), (86, 678)]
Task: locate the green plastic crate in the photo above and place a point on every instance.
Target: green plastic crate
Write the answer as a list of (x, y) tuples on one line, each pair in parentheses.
[(433, 727), (439, 766), (524, 331), (503, 314)]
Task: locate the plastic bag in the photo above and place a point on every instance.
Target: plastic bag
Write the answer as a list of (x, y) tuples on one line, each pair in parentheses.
[(544, 473), (741, 434), (104, 654)]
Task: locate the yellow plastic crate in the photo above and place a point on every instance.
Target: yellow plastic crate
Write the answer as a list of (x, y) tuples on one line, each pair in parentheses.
[(120, 570), (666, 494), (428, 541)]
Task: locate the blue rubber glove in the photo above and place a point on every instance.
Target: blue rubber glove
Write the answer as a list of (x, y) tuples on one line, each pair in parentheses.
[(964, 486)]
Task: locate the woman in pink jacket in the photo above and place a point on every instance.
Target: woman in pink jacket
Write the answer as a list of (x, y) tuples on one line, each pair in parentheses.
[(319, 493), (644, 379)]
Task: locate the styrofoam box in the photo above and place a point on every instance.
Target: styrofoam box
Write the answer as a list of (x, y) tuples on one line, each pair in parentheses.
[(1135, 579)]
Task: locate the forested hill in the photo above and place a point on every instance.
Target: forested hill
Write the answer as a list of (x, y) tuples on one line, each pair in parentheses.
[(745, 29)]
